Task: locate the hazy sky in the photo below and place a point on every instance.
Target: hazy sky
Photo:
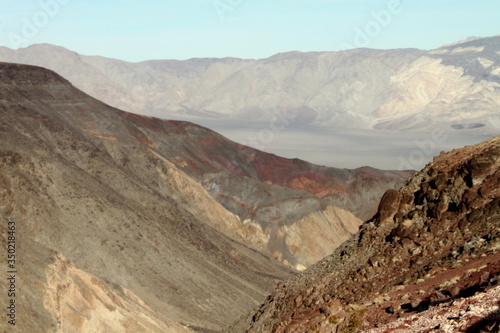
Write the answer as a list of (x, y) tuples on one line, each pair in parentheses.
[(136, 30)]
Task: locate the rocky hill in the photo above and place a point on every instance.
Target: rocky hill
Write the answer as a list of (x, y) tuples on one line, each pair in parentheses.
[(454, 87), (433, 245), (128, 223)]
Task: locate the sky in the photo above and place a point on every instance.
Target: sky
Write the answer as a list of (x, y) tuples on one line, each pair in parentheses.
[(134, 30)]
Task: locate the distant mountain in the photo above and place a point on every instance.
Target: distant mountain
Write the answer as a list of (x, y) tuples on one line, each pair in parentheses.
[(132, 223), (455, 87), (428, 261)]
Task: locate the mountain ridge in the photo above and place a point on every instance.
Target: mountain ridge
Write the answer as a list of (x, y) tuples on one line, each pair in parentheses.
[(361, 88)]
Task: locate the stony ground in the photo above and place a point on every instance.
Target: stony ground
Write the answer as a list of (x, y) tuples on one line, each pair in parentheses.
[(478, 313)]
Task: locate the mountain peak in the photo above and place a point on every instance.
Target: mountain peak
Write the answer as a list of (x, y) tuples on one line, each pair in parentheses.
[(473, 39)]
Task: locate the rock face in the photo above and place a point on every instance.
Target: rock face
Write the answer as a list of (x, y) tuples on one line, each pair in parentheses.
[(433, 242), (455, 87), (131, 223)]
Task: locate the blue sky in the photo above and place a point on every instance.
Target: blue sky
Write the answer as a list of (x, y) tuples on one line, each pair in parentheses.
[(136, 30)]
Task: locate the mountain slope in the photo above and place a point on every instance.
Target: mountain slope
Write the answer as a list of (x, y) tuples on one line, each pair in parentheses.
[(107, 239), (435, 241), (293, 210), (455, 87)]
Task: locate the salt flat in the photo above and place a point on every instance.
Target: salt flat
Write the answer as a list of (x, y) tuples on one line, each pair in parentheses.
[(348, 148)]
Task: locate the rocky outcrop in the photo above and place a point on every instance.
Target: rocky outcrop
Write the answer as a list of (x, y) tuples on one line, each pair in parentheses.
[(478, 313), (434, 241)]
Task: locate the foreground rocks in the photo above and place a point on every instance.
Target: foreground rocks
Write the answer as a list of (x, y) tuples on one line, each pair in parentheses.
[(433, 242)]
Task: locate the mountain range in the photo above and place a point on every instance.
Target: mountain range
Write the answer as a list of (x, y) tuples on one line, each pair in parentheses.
[(335, 108), (125, 222), (455, 86)]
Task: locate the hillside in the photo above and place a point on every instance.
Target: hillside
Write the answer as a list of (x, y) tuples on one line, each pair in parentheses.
[(107, 240), (293, 210), (429, 257), (296, 211)]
